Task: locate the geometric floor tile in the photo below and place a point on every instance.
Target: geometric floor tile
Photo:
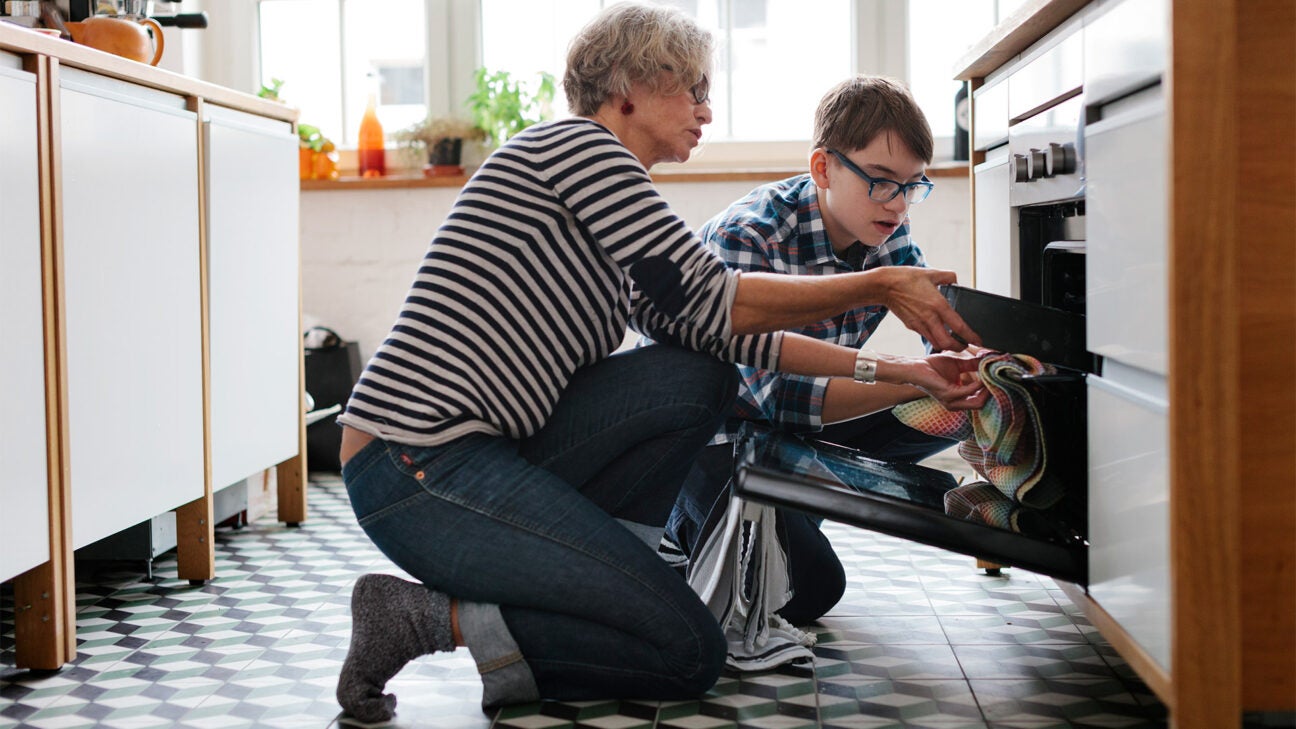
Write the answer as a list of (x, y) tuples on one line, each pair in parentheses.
[(920, 639)]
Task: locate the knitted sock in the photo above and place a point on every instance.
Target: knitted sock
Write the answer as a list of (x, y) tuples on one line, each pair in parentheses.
[(393, 621)]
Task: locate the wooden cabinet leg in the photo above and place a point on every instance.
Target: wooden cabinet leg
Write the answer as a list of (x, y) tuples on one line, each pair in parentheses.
[(44, 619), (990, 567), (195, 540), (291, 478)]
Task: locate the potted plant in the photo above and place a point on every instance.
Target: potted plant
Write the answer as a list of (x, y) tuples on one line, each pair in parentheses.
[(441, 140), (503, 106)]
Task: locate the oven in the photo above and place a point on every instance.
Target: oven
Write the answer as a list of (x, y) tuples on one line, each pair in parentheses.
[(1070, 268)]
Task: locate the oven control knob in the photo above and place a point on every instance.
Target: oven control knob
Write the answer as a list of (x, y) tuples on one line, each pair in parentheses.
[(1020, 168), (1036, 166), (1059, 159)]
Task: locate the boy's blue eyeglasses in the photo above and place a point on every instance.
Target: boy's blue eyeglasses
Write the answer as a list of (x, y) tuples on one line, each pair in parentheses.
[(883, 190)]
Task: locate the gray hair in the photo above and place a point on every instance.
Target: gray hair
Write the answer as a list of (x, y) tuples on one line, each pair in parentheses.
[(632, 42)]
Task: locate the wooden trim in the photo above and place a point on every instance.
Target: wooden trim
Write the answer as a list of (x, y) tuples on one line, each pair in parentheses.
[(1265, 79), (1205, 373), (18, 40), (1140, 660), (291, 475), (975, 157), (1032, 21), (45, 605), (195, 532)]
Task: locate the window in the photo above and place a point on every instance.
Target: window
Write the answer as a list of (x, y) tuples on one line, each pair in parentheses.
[(775, 58), (939, 32), (332, 54), (765, 85)]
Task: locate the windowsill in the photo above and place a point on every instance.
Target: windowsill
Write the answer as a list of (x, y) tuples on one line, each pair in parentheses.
[(410, 180)]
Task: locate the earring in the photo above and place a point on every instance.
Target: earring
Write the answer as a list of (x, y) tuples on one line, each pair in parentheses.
[(627, 108)]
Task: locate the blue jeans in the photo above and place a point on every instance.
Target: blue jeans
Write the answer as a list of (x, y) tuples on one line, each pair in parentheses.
[(552, 530), (816, 575)]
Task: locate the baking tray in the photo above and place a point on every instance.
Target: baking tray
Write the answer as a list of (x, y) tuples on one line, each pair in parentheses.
[(1019, 327)]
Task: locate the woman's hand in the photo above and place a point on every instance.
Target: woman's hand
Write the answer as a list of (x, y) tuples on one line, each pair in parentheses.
[(911, 294), (949, 378), (767, 302)]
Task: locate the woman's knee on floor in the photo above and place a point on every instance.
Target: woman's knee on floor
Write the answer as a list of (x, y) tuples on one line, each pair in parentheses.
[(698, 669)]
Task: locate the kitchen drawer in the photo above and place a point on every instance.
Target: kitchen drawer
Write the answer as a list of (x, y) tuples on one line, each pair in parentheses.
[(990, 116), (1127, 170), (1125, 48), (1055, 74), (1129, 560)]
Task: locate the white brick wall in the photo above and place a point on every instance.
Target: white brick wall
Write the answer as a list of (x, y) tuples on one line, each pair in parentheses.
[(360, 249)]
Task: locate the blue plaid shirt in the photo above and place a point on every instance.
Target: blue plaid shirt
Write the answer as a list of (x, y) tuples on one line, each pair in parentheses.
[(778, 228)]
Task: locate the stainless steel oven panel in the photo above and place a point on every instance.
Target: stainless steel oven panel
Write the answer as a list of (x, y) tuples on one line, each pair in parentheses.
[(1046, 165)]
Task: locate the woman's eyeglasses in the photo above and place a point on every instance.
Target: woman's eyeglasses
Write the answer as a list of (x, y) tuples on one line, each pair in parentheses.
[(701, 91), (883, 190)]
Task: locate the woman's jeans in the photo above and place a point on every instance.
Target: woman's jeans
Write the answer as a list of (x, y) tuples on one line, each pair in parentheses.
[(556, 530)]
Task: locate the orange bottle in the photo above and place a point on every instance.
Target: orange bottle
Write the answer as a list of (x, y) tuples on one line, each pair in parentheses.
[(373, 160)]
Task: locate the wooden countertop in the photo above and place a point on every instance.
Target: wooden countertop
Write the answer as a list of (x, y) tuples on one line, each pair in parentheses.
[(407, 181), (24, 42), (1032, 21)]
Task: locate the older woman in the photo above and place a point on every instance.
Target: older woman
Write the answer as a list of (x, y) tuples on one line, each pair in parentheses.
[(494, 450)]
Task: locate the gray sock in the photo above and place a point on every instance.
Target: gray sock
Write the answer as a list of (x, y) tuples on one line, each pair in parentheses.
[(393, 621)]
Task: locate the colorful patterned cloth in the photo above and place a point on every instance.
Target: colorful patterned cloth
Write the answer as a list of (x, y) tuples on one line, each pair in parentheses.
[(1003, 441), (980, 501)]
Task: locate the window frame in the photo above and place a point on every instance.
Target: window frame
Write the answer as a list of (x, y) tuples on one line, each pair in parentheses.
[(230, 55)]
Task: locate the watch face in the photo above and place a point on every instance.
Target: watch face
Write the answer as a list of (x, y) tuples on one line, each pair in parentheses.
[(961, 113)]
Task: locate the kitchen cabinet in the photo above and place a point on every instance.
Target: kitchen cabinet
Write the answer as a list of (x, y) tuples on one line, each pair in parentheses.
[(1126, 194), (24, 501), (132, 303), (1189, 109), (252, 261), (995, 259), (149, 262)]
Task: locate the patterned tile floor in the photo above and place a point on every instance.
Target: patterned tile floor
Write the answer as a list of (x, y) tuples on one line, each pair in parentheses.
[(922, 639)]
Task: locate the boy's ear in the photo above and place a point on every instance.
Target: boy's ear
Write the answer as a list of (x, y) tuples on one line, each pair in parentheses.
[(819, 167)]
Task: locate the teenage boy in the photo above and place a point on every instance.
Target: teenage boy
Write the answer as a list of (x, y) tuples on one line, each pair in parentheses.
[(872, 145)]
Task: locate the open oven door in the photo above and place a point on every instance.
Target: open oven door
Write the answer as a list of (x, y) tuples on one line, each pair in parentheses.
[(907, 501)]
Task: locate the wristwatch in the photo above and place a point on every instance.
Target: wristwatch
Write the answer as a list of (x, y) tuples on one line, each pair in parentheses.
[(866, 366)]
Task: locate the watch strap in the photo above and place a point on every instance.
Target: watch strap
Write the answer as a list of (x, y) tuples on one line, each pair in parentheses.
[(865, 366)]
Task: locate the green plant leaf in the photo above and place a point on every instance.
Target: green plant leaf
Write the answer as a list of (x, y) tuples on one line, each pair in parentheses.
[(503, 106)]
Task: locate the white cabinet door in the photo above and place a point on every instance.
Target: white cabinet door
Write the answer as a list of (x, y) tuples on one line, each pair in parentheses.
[(1129, 504), (1127, 171), (252, 193), (24, 512), (132, 289), (996, 252)]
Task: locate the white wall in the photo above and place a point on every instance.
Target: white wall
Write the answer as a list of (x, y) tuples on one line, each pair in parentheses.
[(360, 249)]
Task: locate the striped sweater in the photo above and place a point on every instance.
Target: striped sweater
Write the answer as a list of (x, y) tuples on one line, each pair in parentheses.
[(556, 244)]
